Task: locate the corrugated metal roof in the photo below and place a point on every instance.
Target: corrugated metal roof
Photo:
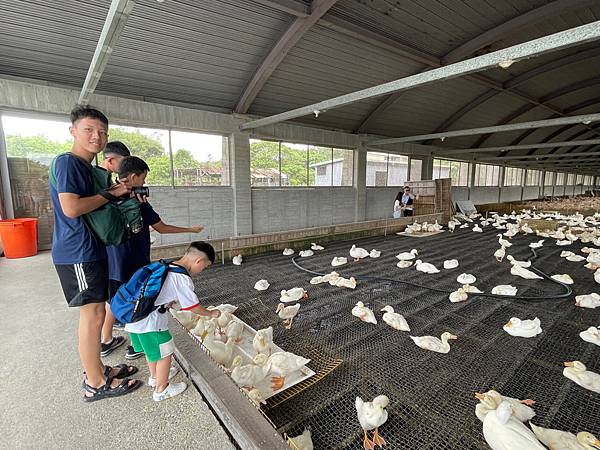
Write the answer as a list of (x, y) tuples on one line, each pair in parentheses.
[(50, 40), (204, 53)]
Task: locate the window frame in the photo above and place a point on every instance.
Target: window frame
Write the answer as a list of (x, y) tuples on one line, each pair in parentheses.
[(512, 170), (308, 185), (387, 169)]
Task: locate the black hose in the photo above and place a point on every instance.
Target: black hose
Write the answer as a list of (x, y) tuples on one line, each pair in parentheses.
[(568, 291)]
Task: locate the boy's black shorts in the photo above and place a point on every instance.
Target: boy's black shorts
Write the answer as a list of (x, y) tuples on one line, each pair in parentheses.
[(84, 283)]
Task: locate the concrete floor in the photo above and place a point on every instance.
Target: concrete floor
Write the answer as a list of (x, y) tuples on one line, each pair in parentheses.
[(41, 380)]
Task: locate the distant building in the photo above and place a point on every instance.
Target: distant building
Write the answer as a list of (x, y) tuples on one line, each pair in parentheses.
[(268, 177)]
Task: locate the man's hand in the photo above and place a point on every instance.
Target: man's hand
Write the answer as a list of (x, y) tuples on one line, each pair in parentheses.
[(118, 190), (197, 229)]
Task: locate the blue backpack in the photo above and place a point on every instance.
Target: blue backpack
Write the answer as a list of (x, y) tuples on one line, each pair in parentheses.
[(135, 299)]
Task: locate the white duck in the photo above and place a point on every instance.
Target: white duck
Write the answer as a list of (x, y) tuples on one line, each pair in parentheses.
[(363, 313), (261, 285), (306, 253), (522, 410), (460, 295), (249, 375), (524, 273), (187, 318), (339, 261), (349, 283), (425, 267), (372, 415), (563, 278), (292, 295), (575, 258), (562, 440), (407, 256), (237, 260), (593, 257), (374, 253), (471, 289), (358, 253), (394, 320), (256, 396), (450, 264), (578, 373), (588, 301), (302, 441), (596, 275), (504, 289), (287, 313), (282, 364), (434, 344), (499, 254), (220, 352), (502, 431), (503, 242), (263, 341), (404, 264), (537, 244), (288, 251), (224, 308), (591, 335), (477, 229), (200, 328), (514, 262), (316, 247), (451, 226), (563, 243), (466, 278), (523, 328), (234, 331)]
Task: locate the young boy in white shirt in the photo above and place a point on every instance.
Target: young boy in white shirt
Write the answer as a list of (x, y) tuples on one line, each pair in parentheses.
[(151, 335)]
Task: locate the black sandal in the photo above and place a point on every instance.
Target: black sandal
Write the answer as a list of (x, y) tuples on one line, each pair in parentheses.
[(124, 370), (106, 391)]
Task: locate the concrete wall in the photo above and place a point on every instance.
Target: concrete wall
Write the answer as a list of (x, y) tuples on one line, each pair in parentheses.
[(211, 207), (510, 194), (548, 190), (459, 193), (482, 195), (293, 208), (380, 202), (531, 192), (559, 190)]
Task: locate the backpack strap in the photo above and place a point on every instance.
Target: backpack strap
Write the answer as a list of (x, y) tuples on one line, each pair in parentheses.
[(172, 267)]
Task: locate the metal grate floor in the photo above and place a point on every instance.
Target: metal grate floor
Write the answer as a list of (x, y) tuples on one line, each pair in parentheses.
[(431, 395)]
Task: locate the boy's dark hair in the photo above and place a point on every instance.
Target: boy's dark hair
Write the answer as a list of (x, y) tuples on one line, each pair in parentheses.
[(132, 164), (203, 247), (85, 111), (116, 148)]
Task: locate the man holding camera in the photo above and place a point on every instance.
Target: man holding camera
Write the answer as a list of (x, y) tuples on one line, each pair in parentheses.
[(125, 259), (79, 257)]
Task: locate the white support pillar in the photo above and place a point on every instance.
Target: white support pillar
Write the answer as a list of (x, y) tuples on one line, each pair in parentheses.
[(240, 183), (5, 191), (360, 184)]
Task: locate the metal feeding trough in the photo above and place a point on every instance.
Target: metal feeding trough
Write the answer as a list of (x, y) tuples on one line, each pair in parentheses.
[(431, 395)]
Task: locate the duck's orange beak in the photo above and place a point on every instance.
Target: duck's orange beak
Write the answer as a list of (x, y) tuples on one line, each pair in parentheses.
[(479, 396), (508, 324), (569, 363)]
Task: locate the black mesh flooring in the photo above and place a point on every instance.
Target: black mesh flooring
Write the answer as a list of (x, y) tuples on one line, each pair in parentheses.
[(431, 395)]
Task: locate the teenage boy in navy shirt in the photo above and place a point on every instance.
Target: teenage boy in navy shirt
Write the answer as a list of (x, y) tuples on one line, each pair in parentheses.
[(125, 259), (79, 256)]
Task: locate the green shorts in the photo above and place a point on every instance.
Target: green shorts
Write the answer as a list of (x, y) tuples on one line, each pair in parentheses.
[(155, 344)]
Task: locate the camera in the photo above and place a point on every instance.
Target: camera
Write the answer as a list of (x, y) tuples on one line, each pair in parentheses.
[(144, 191)]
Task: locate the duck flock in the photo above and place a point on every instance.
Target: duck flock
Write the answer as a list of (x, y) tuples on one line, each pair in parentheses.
[(506, 422)]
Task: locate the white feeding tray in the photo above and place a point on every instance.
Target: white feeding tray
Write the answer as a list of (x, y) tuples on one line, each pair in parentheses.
[(246, 351)]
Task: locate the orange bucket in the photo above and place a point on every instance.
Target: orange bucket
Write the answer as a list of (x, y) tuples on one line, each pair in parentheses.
[(19, 237)]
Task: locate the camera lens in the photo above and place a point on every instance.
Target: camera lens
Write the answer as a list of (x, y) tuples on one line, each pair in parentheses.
[(144, 191)]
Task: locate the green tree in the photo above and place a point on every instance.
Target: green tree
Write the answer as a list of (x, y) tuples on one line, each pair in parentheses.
[(139, 144), (160, 171), (183, 159), (23, 146)]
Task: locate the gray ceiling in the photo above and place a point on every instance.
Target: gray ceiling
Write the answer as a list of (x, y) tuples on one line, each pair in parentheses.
[(204, 54)]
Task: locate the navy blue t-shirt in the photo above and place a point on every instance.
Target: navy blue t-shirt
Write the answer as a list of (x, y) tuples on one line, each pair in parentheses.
[(125, 259), (72, 240)]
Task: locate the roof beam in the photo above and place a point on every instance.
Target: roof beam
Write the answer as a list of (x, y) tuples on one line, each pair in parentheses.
[(114, 24), (507, 28), (546, 156), (493, 129), (290, 38), (521, 147), (545, 11), (291, 7), (564, 39)]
